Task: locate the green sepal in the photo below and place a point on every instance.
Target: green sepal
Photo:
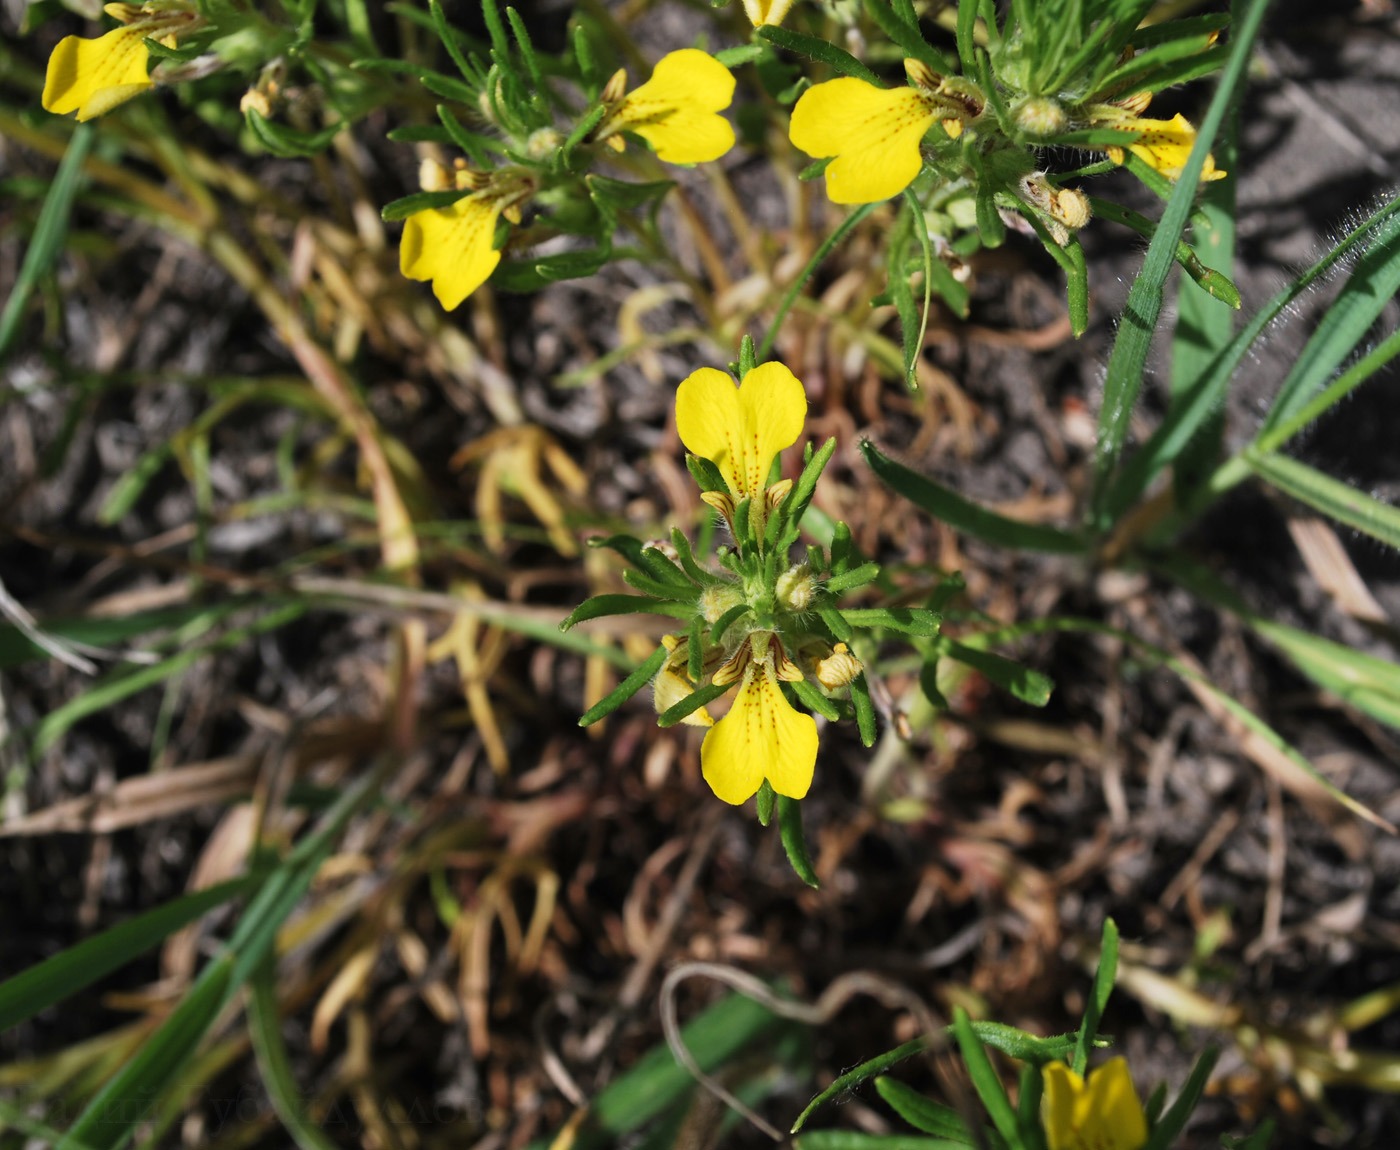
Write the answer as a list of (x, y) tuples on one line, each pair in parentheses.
[(705, 474), (765, 802), (582, 129), (794, 841), (815, 169), (158, 51), (907, 620), (695, 650), (602, 606), (743, 526), (692, 703), (1020, 681), (865, 710), (748, 360), (855, 577), (814, 700), (835, 622), (281, 140), (727, 620), (626, 689), (405, 206)]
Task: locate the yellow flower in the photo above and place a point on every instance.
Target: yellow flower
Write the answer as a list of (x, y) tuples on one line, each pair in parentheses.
[(740, 429), (453, 246), (677, 110), (1165, 146), (766, 11), (762, 736), (1104, 1114), (91, 77), (874, 133)]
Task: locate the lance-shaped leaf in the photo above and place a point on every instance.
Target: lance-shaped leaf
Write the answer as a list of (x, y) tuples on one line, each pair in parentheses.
[(626, 689)]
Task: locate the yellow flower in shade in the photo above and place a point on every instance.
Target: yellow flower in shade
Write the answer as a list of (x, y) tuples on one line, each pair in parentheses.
[(763, 12), (762, 736), (1165, 145), (91, 77), (740, 429), (677, 110), (453, 246), (1103, 1113)]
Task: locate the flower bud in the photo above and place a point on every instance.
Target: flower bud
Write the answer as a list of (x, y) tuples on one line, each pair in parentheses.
[(1040, 116), (717, 599), (796, 587)]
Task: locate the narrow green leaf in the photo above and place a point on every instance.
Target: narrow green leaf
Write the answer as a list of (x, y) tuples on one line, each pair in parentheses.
[(265, 1030), (405, 206), (1020, 681), (1174, 1120), (46, 243), (963, 515), (856, 577), (626, 689), (794, 841), (601, 606), (984, 1078), (688, 563), (923, 1113), (448, 35), (907, 620), (727, 620), (814, 700), (1104, 977), (855, 1140), (1332, 497), (835, 621), (706, 475), (281, 140), (865, 709), (79, 966), (1128, 361), (698, 698), (896, 24), (822, 51)]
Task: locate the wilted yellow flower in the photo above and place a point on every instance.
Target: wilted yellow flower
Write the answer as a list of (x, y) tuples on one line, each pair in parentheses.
[(453, 246), (740, 429), (677, 110), (1103, 1113), (673, 682), (766, 11), (762, 736), (1164, 145), (91, 77)]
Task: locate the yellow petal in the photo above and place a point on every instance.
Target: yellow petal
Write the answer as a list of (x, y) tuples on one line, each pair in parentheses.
[(761, 737), (1062, 1088), (1115, 1120), (1166, 145), (677, 110), (766, 11), (741, 429), (452, 247), (91, 77), (1104, 1115), (874, 133)]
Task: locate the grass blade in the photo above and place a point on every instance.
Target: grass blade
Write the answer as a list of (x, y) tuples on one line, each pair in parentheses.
[(963, 515), (1341, 501), (69, 971), (49, 232), (1129, 357)]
